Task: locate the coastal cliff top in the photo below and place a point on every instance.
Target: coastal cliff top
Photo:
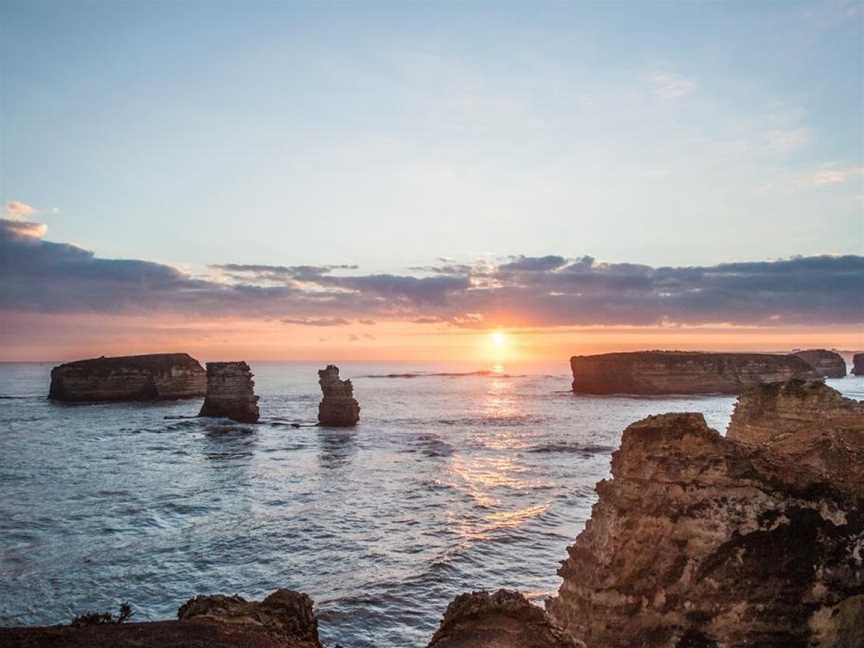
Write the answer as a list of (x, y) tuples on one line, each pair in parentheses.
[(150, 361), (673, 355)]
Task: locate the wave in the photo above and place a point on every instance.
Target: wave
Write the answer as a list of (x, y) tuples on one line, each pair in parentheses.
[(563, 446)]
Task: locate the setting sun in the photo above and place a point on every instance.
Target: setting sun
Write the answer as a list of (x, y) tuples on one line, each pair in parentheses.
[(498, 339)]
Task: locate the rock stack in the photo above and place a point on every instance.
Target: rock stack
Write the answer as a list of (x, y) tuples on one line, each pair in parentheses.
[(753, 539), (683, 372), (827, 364), (158, 376), (858, 364), (230, 392), (338, 408)]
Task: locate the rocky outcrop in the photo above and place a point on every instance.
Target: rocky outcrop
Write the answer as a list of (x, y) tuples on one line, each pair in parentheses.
[(827, 364), (337, 408), (858, 364), (230, 392), (682, 372), (159, 376), (504, 619), (704, 541), (284, 619), (807, 425)]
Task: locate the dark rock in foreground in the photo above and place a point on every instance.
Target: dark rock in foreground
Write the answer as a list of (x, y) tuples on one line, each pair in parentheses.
[(230, 392), (338, 407), (858, 364), (827, 364), (504, 619), (283, 620), (159, 376), (682, 372), (704, 541)]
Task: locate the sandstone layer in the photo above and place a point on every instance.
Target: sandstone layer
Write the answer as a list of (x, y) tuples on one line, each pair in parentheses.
[(337, 408), (504, 619), (283, 620), (827, 364), (680, 372), (704, 541), (160, 376), (858, 364), (230, 392)]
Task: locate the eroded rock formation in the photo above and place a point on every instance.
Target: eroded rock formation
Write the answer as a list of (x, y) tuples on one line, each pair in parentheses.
[(681, 372), (159, 376), (337, 408), (284, 619), (230, 392), (858, 364), (704, 541), (827, 364), (503, 619)]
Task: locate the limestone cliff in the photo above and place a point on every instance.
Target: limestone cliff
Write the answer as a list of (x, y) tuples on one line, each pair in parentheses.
[(679, 372), (504, 619), (284, 619), (337, 408), (858, 364), (230, 392), (704, 541), (160, 376), (827, 364)]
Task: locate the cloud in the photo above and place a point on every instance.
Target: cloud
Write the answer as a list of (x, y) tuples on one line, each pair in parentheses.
[(787, 140), (17, 210), (521, 291), (834, 175), (670, 85), (321, 321)]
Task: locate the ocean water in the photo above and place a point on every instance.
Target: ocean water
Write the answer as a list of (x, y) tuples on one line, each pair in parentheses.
[(449, 484)]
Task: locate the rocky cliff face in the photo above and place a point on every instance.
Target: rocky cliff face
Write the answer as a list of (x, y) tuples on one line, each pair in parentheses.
[(504, 619), (230, 392), (704, 541), (826, 363), (160, 376), (338, 407), (678, 372), (858, 364), (284, 619)]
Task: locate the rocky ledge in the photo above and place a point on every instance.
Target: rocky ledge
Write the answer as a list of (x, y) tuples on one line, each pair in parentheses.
[(337, 408), (159, 376), (701, 541), (858, 364), (284, 619), (230, 392), (827, 364), (682, 372)]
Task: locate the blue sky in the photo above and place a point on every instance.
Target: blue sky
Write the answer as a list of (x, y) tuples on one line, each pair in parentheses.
[(389, 134)]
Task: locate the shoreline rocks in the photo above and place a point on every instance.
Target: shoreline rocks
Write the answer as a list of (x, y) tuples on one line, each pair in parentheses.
[(744, 540), (827, 364), (158, 376), (337, 408), (858, 364), (284, 619), (682, 372), (230, 392)]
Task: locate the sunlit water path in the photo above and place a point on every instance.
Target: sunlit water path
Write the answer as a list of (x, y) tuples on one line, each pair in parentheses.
[(450, 483)]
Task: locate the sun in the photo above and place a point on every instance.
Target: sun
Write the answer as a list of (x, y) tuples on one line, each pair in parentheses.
[(498, 339)]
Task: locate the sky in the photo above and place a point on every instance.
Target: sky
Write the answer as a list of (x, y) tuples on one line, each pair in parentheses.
[(396, 181)]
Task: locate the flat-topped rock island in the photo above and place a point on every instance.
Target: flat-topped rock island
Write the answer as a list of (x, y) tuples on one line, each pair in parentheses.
[(683, 372), (157, 376)]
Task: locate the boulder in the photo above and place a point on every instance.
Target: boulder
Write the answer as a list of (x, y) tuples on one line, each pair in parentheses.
[(704, 541), (682, 372), (230, 392), (159, 376), (503, 619), (827, 364), (337, 408), (858, 364)]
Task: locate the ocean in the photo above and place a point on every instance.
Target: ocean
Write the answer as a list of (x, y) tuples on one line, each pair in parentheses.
[(451, 483)]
